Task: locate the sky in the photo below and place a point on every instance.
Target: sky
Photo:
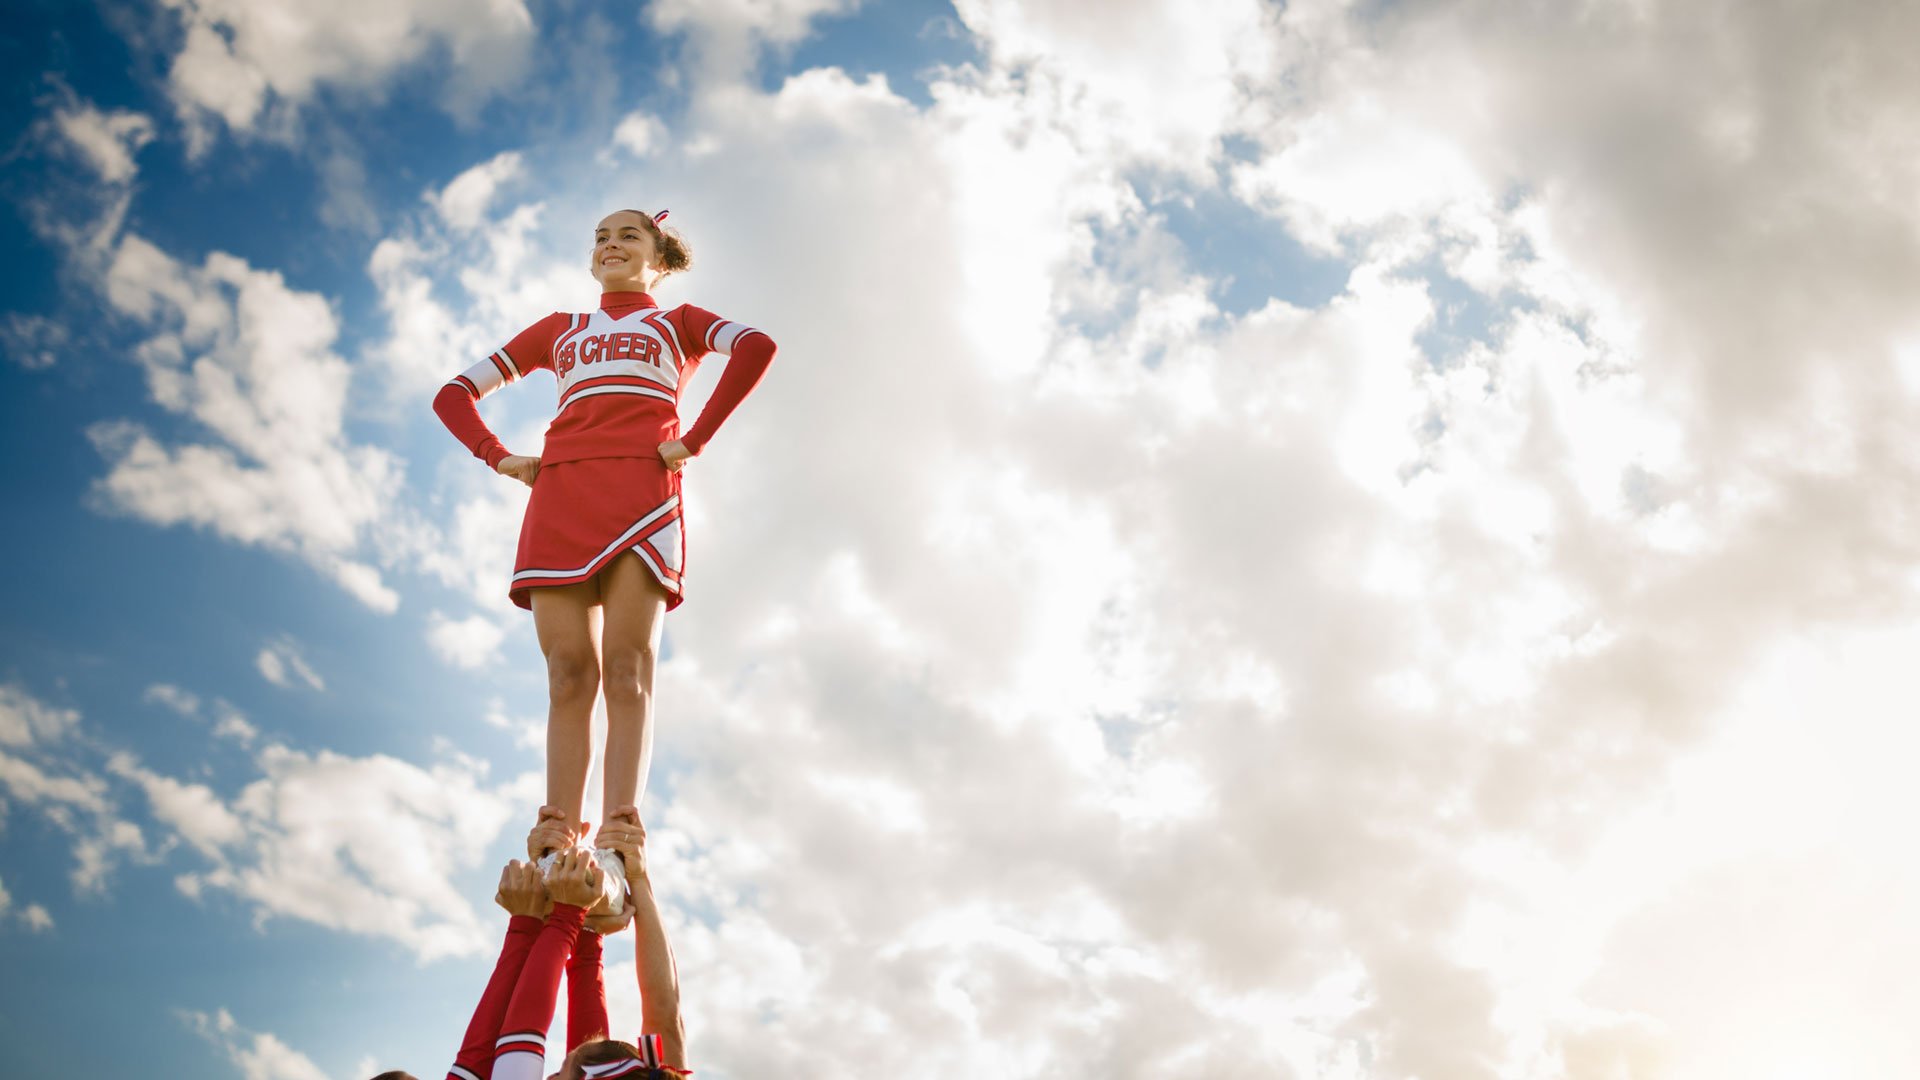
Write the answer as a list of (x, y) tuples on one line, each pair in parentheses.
[(1328, 540)]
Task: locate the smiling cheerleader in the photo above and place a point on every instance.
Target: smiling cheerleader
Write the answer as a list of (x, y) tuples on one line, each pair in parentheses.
[(602, 553)]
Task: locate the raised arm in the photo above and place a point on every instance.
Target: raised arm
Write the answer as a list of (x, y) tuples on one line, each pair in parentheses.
[(586, 989), (524, 896), (520, 1051), (652, 955)]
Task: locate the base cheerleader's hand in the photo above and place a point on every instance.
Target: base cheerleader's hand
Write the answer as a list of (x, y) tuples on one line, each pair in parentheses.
[(624, 834), (553, 833), (673, 452), (523, 469), (522, 892), (611, 923), (575, 880)]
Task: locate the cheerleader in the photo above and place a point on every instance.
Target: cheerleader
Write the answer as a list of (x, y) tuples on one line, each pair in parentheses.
[(602, 553), (551, 936)]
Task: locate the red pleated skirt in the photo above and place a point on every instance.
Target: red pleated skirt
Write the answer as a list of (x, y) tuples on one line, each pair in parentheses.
[(583, 514)]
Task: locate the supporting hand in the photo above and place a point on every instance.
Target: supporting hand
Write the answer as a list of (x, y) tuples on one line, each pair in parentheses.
[(611, 923), (521, 890), (575, 879), (553, 832), (624, 834)]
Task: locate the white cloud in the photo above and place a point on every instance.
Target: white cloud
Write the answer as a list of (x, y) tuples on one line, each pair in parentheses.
[(472, 643), (25, 720), (529, 732), (34, 342), (233, 725), (1260, 671), (639, 133), (47, 764), (107, 141), (37, 918), (251, 64), (1135, 81), (33, 916), (729, 34), (240, 354), (366, 845), (228, 722), (31, 784), (280, 662), (184, 702), (192, 811), (1357, 653), (259, 1055), (463, 203)]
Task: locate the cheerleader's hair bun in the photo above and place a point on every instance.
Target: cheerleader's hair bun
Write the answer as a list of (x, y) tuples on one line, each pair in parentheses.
[(674, 254)]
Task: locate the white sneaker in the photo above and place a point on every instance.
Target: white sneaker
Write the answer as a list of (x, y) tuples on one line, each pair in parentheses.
[(613, 882)]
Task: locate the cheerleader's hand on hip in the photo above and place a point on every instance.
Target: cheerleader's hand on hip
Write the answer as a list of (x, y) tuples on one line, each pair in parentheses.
[(673, 452), (523, 469)]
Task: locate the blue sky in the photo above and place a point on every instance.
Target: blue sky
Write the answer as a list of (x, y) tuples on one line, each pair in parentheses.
[(1291, 540)]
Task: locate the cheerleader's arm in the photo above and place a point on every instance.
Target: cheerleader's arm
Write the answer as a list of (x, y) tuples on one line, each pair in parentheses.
[(457, 402)]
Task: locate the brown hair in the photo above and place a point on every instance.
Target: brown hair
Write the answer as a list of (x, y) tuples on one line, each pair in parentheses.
[(602, 1051), (396, 1074), (672, 254)]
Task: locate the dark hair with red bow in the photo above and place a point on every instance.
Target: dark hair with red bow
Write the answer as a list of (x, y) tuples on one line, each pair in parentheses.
[(673, 254)]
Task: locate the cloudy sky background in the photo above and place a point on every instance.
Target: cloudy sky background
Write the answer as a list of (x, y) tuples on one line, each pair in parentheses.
[(1341, 540)]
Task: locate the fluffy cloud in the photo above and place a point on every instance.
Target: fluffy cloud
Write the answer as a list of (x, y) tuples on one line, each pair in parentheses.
[(228, 722), (470, 643), (34, 341), (1244, 670), (1079, 669), (464, 201), (363, 845), (639, 134), (259, 1055), (107, 141), (34, 917), (282, 664), (368, 845), (250, 64), (728, 35), (42, 768), (1134, 82), (248, 360)]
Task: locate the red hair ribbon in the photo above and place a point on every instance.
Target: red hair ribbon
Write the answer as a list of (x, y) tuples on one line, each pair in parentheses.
[(659, 217)]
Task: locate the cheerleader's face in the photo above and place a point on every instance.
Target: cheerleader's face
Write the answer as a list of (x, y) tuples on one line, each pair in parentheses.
[(623, 253)]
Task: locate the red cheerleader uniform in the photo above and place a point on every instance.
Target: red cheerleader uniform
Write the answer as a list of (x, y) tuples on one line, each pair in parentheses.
[(507, 1037), (602, 488)]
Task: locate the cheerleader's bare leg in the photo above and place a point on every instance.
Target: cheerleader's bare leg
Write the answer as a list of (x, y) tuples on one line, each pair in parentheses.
[(567, 620), (636, 606)]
